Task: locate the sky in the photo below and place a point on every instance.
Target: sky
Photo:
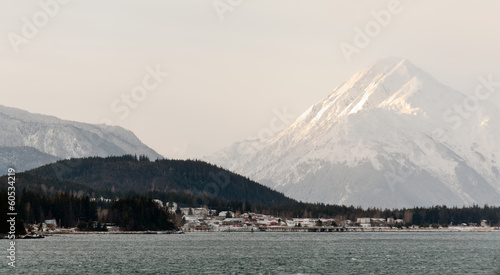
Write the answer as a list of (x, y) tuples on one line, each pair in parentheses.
[(192, 77)]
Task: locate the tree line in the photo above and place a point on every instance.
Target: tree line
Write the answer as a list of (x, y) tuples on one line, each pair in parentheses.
[(137, 213), (113, 176), (442, 215), (140, 212)]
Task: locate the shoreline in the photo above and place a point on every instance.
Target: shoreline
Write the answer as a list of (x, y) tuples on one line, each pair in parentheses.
[(282, 230), (360, 229)]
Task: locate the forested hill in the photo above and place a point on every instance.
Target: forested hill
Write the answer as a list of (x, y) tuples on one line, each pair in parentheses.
[(129, 173)]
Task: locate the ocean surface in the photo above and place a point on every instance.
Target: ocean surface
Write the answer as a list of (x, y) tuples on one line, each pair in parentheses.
[(260, 253)]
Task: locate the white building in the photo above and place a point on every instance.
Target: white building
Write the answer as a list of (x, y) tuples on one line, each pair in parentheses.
[(364, 222), (50, 222), (225, 214)]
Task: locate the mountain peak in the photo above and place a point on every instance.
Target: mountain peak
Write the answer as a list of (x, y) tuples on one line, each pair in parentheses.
[(394, 67), (394, 84), (391, 83), (387, 66), (373, 142), (369, 88)]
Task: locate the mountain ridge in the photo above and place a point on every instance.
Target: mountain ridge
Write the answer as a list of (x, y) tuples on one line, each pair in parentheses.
[(64, 139), (366, 144), (111, 176)]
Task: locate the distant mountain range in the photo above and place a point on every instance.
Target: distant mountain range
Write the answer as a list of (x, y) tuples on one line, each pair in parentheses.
[(390, 136), (23, 157), (30, 140)]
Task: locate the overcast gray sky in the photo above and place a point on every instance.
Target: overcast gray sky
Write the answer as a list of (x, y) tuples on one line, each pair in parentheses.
[(232, 64)]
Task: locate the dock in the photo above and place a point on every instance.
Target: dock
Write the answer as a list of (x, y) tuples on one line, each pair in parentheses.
[(321, 229)]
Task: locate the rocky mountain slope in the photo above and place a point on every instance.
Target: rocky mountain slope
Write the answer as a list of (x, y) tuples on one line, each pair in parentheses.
[(54, 138), (390, 136)]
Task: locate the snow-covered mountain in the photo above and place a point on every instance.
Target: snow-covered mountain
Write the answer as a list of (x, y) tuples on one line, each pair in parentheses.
[(29, 140), (23, 158), (390, 136)]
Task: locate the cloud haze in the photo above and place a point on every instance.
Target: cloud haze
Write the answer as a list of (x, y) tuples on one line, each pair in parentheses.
[(230, 66)]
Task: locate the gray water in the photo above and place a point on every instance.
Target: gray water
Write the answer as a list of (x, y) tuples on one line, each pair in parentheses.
[(260, 253)]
